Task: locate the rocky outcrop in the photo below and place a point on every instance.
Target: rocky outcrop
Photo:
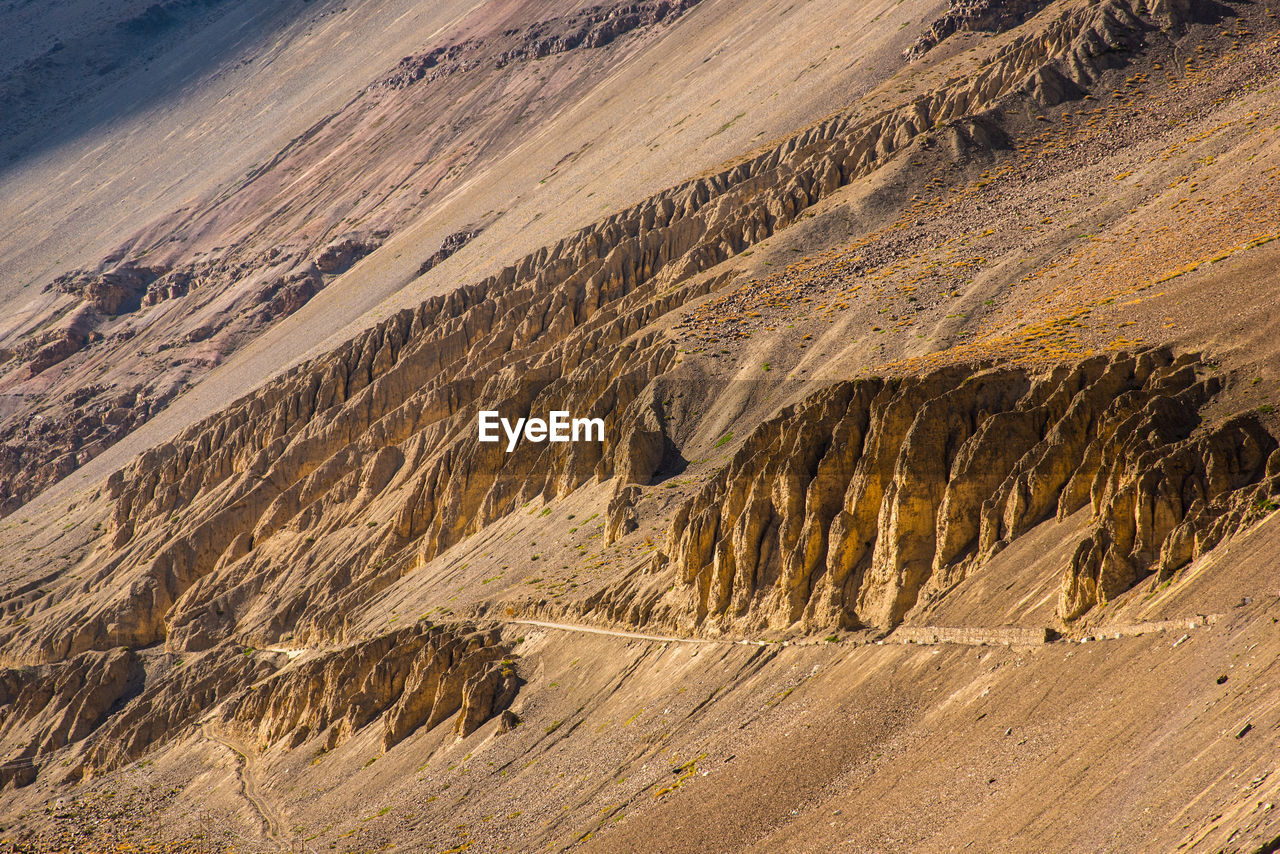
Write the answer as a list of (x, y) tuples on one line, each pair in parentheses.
[(592, 27), (111, 292), (448, 246), (974, 15), (340, 254), (872, 496), (46, 708), (111, 708), (43, 450), (1164, 500), (74, 332), (407, 680)]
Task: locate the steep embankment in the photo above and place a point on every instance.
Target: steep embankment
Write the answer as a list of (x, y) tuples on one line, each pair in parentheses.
[(178, 297), (469, 139), (388, 417), (873, 402)]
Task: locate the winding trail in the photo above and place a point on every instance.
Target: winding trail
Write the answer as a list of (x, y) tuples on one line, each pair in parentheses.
[(617, 633), (246, 770), (919, 635)]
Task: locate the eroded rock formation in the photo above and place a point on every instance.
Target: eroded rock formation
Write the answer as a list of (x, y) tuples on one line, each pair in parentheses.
[(407, 680), (871, 496), (48, 707), (385, 424), (110, 708), (681, 231)]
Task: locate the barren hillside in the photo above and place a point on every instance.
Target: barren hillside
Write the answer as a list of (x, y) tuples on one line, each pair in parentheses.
[(935, 354)]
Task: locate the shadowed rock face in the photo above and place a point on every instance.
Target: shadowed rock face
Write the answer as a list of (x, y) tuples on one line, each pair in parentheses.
[(871, 496), (112, 707), (49, 707)]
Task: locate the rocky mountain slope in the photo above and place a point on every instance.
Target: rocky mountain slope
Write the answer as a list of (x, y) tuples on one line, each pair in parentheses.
[(939, 477), (280, 243), (100, 349)]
